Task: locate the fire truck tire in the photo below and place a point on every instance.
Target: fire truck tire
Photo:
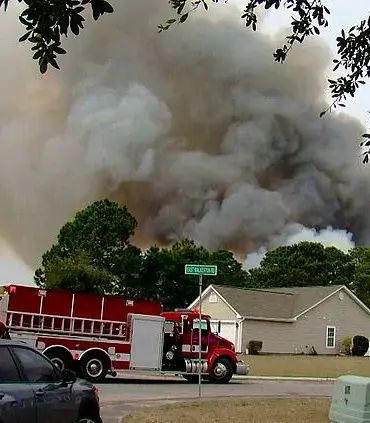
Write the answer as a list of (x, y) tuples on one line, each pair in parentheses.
[(94, 367), (61, 358), (89, 419), (222, 371)]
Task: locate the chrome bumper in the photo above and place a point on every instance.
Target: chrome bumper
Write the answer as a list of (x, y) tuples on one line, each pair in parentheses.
[(242, 369)]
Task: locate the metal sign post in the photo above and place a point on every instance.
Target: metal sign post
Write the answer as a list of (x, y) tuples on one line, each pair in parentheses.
[(200, 270), (200, 338)]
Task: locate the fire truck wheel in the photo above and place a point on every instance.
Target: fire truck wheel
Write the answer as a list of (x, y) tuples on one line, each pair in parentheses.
[(94, 367), (61, 359), (89, 419), (222, 371)]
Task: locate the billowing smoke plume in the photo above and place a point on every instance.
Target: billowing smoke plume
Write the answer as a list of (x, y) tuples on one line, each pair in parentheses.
[(297, 233), (197, 130)]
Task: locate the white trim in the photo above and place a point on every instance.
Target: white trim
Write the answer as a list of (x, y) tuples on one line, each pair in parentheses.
[(186, 348), (319, 302), (72, 305), (6, 285), (94, 349), (270, 319), (205, 292), (41, 303), (330, 347), (213, 320), (55, 346), (238, 346), (102, 308), (71, 338), (347, 291), (356, 299), (123, 357)]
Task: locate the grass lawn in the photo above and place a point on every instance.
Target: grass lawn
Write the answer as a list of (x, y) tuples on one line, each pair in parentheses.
[(306, 365), (251, 410)]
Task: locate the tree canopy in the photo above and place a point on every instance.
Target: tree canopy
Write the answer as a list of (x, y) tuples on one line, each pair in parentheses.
[(360, 283), (93, 254), (303, 264), (96, 239), (76, 274), (312, 264)]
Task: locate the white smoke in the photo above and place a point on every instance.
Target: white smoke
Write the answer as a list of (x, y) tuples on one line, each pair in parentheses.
[(296, 233), (197, 130), (12, 269)]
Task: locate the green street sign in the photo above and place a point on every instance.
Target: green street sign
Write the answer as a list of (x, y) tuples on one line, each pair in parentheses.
[(200, 269)]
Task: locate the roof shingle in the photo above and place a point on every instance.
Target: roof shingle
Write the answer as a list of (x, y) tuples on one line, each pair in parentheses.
[(275, 303)]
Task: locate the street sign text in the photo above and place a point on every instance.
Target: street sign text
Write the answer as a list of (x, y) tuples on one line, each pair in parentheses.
[(200, 269)]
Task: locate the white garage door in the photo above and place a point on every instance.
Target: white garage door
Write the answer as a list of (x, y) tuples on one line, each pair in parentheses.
[(226, 329)]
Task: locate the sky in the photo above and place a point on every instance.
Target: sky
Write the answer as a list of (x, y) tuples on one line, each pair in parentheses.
[(342, 16)]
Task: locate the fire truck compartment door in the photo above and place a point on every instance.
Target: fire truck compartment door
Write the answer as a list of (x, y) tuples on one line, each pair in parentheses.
[(146, 342)]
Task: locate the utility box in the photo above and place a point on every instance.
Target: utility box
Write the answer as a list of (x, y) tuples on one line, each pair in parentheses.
[(351, 400)]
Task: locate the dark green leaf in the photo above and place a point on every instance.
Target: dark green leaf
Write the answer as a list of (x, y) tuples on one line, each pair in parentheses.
[(53, 63), (37, 55), (184, 17), (59, 50), (106, 7), (25, 36), (43, 65)]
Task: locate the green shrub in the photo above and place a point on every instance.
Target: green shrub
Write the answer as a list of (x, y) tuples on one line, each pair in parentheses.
[(360, 345), (346, 345), (254, 347)]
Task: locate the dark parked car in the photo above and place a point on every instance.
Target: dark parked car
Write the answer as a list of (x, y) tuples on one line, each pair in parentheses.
[(33, 390)]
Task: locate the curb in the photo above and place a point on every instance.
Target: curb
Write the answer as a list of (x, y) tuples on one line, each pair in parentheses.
[(287, 378), (173, 377)]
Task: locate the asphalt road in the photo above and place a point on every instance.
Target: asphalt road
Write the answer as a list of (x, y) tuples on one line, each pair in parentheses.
[(126, 395)]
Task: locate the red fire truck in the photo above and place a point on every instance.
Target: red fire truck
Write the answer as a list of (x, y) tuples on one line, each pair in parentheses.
[(98, 335)]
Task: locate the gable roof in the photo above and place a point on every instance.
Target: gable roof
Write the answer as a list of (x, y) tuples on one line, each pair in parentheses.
[(279, 304)]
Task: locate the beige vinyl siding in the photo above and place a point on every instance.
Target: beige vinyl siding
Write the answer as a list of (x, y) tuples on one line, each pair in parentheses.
[(277, 337), (218, 310), (345, 315)]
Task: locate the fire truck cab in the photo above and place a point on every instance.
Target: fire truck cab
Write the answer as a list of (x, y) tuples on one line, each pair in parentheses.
[(99, 335), (181, 348)]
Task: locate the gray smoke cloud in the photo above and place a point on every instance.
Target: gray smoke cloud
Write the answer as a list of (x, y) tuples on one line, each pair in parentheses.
[(197, 130)]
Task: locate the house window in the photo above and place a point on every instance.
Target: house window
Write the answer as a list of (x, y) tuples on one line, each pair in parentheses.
[(213, 298), (330, 337)]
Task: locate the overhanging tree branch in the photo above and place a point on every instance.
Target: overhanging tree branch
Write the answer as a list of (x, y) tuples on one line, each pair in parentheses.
[(47, 20)]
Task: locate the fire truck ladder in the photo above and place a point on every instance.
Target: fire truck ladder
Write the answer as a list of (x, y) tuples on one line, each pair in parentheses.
[(44, 323)]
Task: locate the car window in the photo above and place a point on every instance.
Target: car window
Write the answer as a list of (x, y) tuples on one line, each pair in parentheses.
[(35, 367), (8, 369)]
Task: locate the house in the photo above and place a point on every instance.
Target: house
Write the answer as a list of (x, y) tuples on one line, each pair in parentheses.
[(287, 320)]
